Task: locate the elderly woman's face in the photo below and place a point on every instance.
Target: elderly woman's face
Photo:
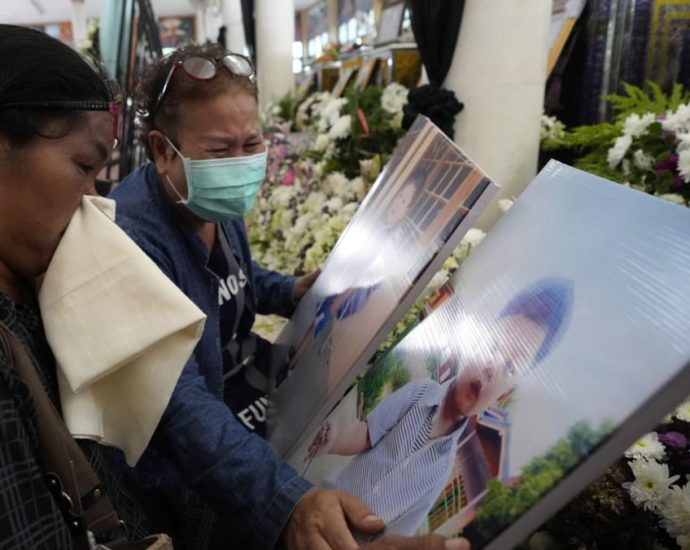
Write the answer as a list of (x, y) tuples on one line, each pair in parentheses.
[(223, 126), (41, 186)]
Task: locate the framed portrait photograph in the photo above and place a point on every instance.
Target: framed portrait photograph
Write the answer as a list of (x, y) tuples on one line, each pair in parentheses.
[(176, 30), (390, 23), (538, 359)]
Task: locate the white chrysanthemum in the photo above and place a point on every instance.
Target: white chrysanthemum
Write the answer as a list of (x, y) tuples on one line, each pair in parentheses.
[(397, 120), (334, 204), (394, 97), (679, 121), (675, 512), (551, 128), (675, 198), (684, 165), (651, 486), (321, 142), (340, 128), (636, 125), (642, 160), (282, 195), (349, 209), (683, 411), (473, 237), (617, 152), (357, 188), (648, 446), (504, 205), (329, 113), (335, 183), (683, 141)]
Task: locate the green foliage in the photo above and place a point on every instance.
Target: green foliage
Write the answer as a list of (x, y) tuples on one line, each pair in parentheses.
[(377, 139), (655, 170), (640, 101), (504, 504), (287, 108), (390, 372)]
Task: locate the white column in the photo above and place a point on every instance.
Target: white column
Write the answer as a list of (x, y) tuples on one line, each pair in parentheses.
[(275, 33), (201, 26), (234, 29), (78, 17), (499, 73)]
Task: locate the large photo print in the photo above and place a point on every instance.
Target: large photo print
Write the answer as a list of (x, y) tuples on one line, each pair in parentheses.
[(417, 211), (554, 336)]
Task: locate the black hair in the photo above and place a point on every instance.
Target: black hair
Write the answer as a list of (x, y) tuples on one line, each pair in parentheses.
[(166, 116), (36, 68)]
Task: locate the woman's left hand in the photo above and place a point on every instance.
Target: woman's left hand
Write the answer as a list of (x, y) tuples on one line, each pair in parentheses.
[(304, 283)]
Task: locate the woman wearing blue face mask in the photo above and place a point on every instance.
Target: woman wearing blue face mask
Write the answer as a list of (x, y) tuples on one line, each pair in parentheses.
[(185, 210)]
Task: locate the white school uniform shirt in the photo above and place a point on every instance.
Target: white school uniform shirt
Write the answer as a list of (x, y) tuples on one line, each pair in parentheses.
[(404, 471)]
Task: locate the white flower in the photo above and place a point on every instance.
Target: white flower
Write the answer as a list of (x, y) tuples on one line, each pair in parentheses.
[(551, 128), (321, 143), (281, 195), (335, 183), (504, 205), (675, 198), (683, 411), (683, 141), (679, 121), (636, 125), (684, 165), (473, 237), (642, 160), (675, 512), (651, 485), (329, 112), (340, 128), (617, 152), (394, 97), (397, 120), (647, 447)]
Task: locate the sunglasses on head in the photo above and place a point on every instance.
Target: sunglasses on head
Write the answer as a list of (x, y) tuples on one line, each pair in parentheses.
[(200, 67), (115, 108)]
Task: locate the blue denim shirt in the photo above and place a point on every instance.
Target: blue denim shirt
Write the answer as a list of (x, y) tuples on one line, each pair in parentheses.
[(199, 444)]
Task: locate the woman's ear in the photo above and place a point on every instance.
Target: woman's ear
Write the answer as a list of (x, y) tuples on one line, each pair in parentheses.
[(162, 155)]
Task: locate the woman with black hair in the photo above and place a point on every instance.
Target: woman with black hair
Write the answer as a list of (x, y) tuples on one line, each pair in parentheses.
[(56, 133)]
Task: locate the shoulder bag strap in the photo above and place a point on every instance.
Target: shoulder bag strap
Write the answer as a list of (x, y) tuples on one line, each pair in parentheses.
[(67, 471)]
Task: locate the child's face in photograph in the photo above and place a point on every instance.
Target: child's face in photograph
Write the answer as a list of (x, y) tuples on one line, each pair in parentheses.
[(486, 378)]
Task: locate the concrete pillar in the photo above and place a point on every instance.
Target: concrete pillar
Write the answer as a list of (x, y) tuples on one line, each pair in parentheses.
[(275, 33), (79, 26), (232, 19), (499, 73)]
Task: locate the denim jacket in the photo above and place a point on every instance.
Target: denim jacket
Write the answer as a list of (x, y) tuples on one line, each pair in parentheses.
[(199, 444)]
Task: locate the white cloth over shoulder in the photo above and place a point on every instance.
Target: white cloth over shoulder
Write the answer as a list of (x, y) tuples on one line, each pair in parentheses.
[(120, 330)]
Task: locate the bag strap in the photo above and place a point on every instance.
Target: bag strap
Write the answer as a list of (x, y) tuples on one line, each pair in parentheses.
[(68, 473)]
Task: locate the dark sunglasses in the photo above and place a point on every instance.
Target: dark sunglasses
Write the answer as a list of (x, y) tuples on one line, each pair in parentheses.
[(200, 67), (115, 108)]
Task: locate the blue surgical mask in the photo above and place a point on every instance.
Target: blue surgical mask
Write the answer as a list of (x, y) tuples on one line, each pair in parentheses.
[(220, 190)]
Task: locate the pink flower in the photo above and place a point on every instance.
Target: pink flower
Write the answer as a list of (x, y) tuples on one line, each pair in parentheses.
[(289, 177), (670, 164)]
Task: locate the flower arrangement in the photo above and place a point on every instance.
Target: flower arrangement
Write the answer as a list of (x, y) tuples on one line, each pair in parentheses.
[(660, 465), (647, 146)]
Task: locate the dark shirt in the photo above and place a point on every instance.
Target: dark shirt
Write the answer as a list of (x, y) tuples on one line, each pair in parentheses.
[(29, 517), (199, 444)]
